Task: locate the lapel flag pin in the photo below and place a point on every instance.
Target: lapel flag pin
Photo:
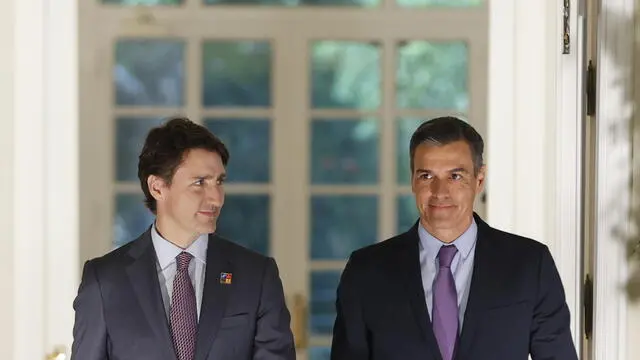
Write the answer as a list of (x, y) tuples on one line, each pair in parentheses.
[(225, 278)]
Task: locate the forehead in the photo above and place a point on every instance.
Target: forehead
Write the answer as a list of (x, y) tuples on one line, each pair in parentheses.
[(203, 162), (457, 153)]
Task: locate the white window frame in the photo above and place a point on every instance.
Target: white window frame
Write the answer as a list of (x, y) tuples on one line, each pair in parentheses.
[(290, 169)]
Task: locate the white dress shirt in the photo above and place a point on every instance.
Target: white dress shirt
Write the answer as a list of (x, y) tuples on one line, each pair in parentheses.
[(461, 266), (166, 253)]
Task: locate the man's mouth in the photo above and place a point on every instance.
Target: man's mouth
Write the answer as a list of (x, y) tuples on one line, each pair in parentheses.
[(209, 213)]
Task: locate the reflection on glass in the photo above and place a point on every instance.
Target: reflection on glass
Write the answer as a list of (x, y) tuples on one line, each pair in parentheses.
[(405, 128), (407, 212), (319, 353), (245, 220), (248, 143), (443, 3), (142, 2), (344, 152), (323, 299), (130, 136), (236, 73), (131, 219), (341, 224), (345, 74), (149, 72), (366, 3), (432, 75)]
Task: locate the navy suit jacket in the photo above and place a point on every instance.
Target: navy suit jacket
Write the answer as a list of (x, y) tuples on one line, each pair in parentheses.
[(516, 303), (120, 313)]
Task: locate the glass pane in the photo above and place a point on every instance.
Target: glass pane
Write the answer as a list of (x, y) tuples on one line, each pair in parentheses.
[(245, 220), (248, 143), (443, 3), (319, 353), (407, 212), (296, 2), (341, 224), (405, 128), (324, 285), (130, 136), (237, 73), (143, 2), (149, 72), (432, 75), (344, 152), (132, 218), (345, 74)]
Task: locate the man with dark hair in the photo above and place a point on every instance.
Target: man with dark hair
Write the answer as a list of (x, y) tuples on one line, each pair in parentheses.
[(451, 287), (180, 292)]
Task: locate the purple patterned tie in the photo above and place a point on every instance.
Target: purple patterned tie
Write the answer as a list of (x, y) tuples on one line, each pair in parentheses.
[(184, 314), (445, 304)]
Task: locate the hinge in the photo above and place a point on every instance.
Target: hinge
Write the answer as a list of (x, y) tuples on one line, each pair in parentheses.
[(588, 306), (566, 33), (590, 89)]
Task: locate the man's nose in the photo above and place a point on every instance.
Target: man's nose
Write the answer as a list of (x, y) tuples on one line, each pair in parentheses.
[(215, 195), (439, 187)]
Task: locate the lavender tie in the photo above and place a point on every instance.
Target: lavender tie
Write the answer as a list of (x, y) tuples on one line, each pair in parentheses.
[(445, 304), (183, 314)]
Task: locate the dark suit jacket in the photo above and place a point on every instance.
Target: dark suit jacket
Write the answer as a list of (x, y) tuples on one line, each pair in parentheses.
[(516, 303), (120, 314)]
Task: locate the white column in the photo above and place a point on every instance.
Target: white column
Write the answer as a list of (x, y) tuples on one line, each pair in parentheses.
[(7, 304), (614, 117), (38, 182), (518, 77)]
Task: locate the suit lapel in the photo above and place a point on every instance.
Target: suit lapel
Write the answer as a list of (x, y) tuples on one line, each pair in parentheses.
[(483, 267), (143, 275), (214, 296), (411, 272)]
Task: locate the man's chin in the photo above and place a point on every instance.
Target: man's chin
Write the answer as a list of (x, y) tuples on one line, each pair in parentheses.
[(207, 229)]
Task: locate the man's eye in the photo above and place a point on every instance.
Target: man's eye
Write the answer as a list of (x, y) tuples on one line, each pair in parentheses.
[(456, 176)]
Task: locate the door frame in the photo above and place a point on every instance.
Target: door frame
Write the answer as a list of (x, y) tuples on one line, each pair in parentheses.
[(534, 160)]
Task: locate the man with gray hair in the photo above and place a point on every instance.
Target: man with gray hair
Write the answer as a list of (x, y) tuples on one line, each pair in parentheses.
[(451, 287)]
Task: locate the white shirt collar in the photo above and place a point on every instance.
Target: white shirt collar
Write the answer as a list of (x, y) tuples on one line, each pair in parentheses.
[(166, 251), (464, 243)]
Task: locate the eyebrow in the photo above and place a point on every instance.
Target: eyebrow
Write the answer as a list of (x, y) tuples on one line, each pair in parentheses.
[(455, 170), (207, 177)]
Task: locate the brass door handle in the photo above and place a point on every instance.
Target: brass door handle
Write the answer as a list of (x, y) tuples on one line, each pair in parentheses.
[(299, 321), (59, 353)]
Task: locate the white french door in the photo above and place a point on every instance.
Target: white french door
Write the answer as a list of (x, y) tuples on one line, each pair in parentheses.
[(316, 104)]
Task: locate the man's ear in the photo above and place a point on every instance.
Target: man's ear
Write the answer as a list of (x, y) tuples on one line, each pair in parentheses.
[(156, 187), (482, 173)]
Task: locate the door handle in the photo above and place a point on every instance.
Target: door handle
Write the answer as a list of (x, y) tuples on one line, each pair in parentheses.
[(299, 321), (59, 353)]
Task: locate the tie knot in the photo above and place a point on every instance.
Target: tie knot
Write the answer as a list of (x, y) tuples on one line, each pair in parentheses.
[(446, 254), (183, 259)]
